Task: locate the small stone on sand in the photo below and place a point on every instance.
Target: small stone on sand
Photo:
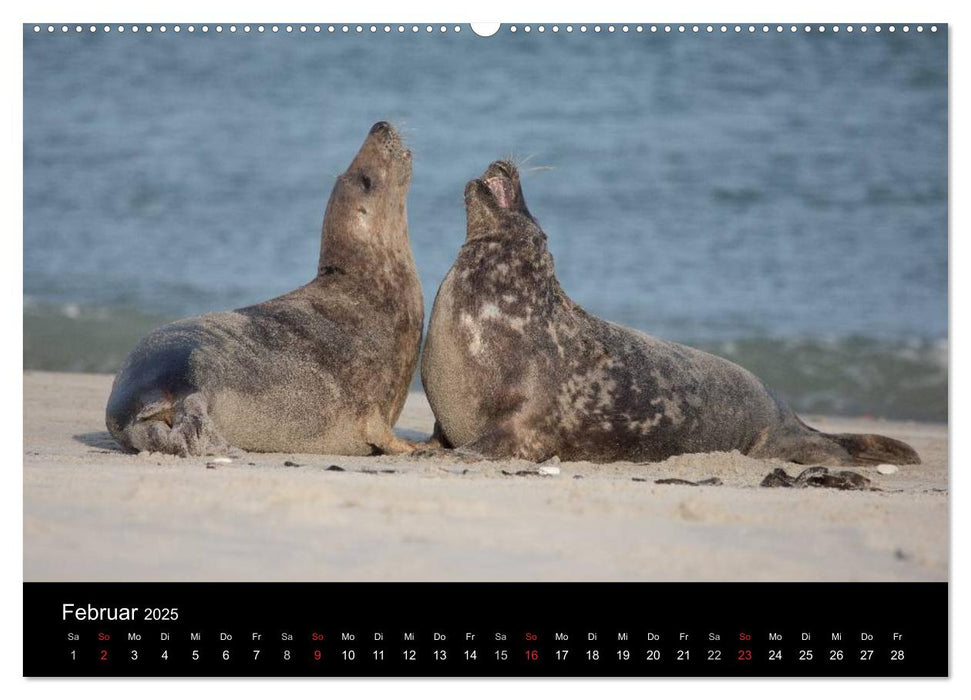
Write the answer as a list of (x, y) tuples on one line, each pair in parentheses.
[(549, 471), (888, 469)]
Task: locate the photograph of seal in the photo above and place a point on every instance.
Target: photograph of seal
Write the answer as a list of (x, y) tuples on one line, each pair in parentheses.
[(512, 367), (322, 369)]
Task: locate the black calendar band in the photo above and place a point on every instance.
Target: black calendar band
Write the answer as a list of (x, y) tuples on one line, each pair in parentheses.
[(485, 629)]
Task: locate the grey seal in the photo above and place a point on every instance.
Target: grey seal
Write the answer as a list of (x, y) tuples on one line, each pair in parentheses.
[(324, 369), (512, 367)]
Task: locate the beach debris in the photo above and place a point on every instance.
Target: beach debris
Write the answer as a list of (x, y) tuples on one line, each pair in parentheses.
[(888, 469), (221, 460), (638, 478), (578, 476), (712, 481), (288, 463), (525, 472), (377, 471), (211, 465), (819, 477), (335, 468), (548, 471)]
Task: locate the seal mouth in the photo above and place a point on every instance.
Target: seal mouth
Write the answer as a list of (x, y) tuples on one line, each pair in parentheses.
[(502, 178), (502, 190)]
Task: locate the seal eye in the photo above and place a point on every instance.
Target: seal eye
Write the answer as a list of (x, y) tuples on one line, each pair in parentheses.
[(366, 183)]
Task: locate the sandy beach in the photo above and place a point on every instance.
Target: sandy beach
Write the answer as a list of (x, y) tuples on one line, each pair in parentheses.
[(92, 512)]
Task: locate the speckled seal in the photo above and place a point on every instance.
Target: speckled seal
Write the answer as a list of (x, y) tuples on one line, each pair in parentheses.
[(514, 368), (324, 368)]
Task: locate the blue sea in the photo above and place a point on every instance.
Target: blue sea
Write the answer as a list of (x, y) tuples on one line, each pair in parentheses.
[(778, 199)]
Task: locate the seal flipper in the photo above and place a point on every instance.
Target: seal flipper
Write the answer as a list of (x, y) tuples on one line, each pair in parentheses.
[(505, 441), (867, 448), (438, 438), (181, 427), (811, 446), (391, 444)]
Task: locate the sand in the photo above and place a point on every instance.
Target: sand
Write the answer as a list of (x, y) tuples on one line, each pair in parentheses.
[(94, 513)]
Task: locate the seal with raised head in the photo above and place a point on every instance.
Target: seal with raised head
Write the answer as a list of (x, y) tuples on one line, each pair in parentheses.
[(324, 368), (512, 367)]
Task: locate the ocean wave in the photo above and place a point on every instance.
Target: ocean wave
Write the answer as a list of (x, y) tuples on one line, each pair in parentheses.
[(905, 378)]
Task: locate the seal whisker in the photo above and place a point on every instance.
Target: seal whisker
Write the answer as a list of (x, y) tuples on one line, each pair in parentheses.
[(536, 168)]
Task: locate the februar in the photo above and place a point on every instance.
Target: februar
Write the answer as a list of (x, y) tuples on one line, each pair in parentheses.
[(89, 612)]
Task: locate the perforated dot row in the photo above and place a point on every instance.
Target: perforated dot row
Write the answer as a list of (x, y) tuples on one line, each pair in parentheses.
[(428, 28), (723, 28), (252, 28)]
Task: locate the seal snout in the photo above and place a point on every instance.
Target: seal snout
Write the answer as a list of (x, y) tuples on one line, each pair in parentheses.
[(503, 168), (381, 127), (389, 138)]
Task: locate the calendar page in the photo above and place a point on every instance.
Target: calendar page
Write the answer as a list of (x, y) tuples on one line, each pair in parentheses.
[(544, 349)]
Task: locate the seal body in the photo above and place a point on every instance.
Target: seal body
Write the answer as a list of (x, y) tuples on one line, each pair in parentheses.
[(324, 368), (512, 367)]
